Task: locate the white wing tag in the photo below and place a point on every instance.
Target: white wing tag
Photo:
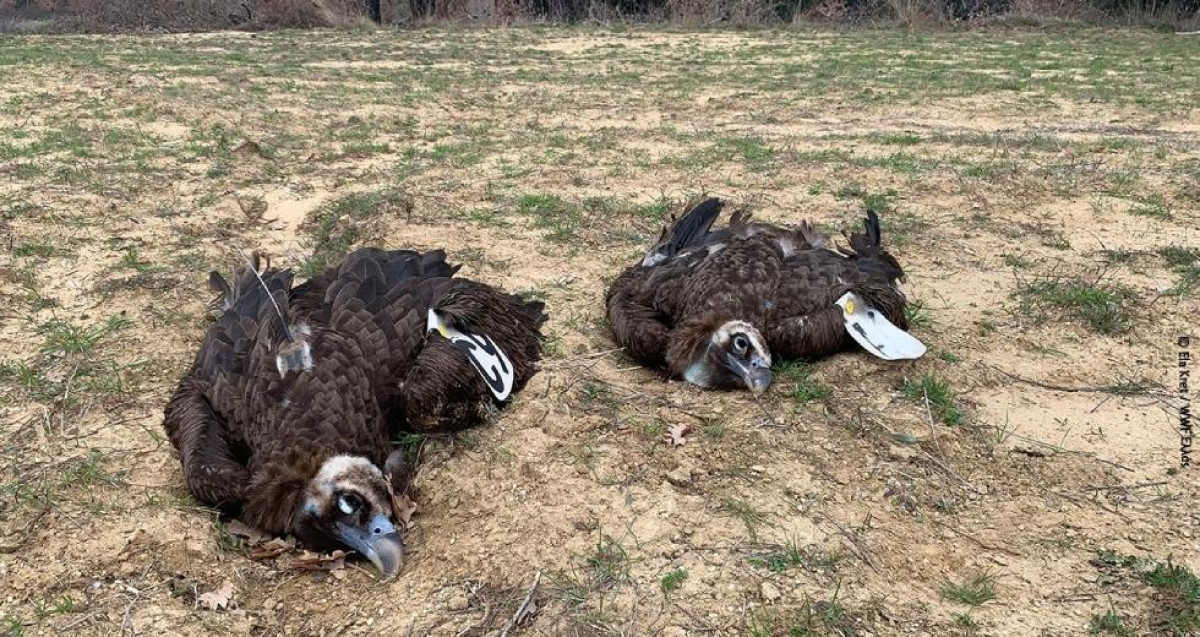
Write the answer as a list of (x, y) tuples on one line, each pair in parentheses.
[(875, 333), (486, 357)]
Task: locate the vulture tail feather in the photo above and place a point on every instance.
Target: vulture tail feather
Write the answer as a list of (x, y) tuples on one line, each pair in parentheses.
[(686, 232), (868, 249), (870, 242)]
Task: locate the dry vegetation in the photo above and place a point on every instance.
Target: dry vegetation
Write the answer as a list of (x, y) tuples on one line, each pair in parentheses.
[(1020, 479)]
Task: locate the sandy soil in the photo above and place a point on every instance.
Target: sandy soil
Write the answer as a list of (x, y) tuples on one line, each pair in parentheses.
[(124, 178)]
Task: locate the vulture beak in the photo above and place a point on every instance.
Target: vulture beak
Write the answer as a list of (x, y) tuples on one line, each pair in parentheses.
[(756, 373), (377, 541)]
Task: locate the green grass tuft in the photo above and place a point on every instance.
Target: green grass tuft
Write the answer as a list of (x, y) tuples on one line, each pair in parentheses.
[(804, 388), (1110, 623), (672, 581), (335, 227), (974, 592), (1100, 306), (939, 396)]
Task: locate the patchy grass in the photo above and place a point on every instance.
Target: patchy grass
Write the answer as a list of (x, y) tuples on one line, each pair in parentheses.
[(1110, 623), (672, 581), (1176, 593), (337, 226), (1154, 206), (918, 315), (1186, 263), (1101, 306), (562, 220), (929, 391), (62, 338), (804, 388), (1179, 597), (792, 555), (752, 518), (545, 159), (977, 590)]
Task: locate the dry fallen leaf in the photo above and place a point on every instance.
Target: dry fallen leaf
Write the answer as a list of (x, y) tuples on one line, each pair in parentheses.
[(219, 599), (272, 548), (404, 508), (309, 561), (675, 435), (246, 533)]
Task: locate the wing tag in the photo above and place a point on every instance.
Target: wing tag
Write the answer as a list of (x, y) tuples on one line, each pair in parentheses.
[(486, 357), (875, 333)]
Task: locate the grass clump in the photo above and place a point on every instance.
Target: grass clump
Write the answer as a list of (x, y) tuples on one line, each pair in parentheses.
[(1101, 306), (335, 227), (791, 555), (673, 581), (976, 591), (1154, 206), (561, 219), (1176, 610), (939, 397), (804, 388), (1110, 623), (743, 510), (1179, 597), (1186, 263)]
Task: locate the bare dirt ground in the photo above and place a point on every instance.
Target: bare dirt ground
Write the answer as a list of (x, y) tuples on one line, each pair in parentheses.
[(1022, 479)]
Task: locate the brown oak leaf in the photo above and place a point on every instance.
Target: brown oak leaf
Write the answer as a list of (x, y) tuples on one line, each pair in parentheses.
[(271, 548), (219, 599), (309, 561), (676, 435), (404, 508), (246, 533)]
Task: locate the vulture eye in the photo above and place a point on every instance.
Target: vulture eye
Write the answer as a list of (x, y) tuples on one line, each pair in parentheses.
[(349, 503), (740, 344)]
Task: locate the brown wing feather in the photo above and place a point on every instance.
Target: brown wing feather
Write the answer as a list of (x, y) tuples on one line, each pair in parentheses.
[(642, 329), (211, 469)]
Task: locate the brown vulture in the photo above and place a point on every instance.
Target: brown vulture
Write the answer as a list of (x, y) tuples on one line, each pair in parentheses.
[(285, 417), (715, 305)]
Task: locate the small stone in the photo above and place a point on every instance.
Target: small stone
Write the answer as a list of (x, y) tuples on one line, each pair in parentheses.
[(758, 468), (769, 592), (674, 631), (680, 477), (459, 601)]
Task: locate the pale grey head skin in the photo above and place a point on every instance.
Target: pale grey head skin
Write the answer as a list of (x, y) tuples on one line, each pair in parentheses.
[(348, 505), (736, 356)]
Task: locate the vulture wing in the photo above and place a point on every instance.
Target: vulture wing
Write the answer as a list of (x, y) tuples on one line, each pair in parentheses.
[(202, 415), (806, 322)]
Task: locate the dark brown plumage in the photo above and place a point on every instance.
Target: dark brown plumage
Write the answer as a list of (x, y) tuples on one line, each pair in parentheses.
[(714, 306), (287, 421)]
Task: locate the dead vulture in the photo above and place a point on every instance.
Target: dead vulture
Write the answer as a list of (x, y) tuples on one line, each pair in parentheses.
[(714, 305), (286, 414)]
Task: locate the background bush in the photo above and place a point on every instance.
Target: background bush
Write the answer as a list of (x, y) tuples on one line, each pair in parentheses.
[(204, 15)]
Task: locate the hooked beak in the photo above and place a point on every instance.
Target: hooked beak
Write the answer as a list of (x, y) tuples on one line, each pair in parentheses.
[(378, 542), (755, 373)]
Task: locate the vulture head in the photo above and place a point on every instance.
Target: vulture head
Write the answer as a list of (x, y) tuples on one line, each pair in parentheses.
[(721, 354), (348, 504)]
